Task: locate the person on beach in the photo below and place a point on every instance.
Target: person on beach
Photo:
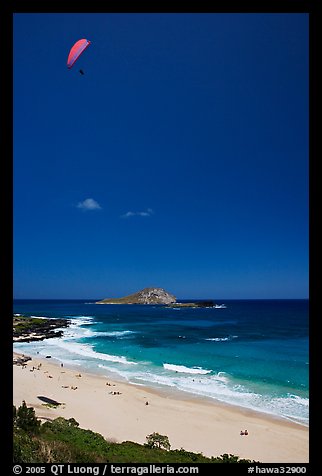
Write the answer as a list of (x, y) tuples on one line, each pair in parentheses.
[(246, 432), (242, 432)]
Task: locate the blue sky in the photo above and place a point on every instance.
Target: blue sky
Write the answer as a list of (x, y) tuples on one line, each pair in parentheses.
[(178, 160)]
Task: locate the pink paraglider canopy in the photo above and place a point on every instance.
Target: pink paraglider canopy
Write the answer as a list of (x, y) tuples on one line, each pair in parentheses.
[(76, 51)]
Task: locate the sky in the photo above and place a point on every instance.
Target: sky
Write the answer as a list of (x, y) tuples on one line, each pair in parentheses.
[(179, 159)]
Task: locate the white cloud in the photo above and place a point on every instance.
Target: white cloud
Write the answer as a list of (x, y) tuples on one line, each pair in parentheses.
[(89, 204), (147, 213), (128, 214)]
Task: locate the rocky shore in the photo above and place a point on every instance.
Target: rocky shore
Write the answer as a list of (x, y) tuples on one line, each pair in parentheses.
[(28, 329), (20, 359)]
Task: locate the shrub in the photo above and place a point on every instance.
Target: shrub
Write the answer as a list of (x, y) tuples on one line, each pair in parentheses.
[(229, 458)]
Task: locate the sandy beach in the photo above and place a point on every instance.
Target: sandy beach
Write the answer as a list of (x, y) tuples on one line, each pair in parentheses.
[(119, 412)]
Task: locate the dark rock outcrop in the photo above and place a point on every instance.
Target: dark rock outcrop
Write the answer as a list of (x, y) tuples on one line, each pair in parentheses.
[(206, 304)]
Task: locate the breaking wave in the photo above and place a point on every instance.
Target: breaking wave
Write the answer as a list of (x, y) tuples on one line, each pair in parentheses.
[(186, 370)]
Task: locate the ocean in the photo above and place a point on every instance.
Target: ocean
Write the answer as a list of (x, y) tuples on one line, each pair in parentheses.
[(250, 353)]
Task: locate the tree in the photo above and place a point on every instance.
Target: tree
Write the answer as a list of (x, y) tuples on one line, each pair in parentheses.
[(26, 419), (155, 440)]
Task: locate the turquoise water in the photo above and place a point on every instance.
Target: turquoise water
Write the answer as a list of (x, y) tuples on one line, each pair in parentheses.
[(251, 353)]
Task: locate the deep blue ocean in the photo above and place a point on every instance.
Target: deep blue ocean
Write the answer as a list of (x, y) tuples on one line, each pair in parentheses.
[(252, 353)]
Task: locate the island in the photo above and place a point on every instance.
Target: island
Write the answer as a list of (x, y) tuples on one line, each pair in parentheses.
[(145, 296), (157, 296)]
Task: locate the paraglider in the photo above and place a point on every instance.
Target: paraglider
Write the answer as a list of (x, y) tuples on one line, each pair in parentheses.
[(77, 49)]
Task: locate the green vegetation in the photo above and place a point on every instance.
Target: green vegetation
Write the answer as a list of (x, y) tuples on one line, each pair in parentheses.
[(62, 441), (33, 328), (51, 405), (155, 440), (28, 324), (25, 419)]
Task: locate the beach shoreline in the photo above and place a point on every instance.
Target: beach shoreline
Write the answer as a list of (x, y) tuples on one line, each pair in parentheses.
[(123, 411)]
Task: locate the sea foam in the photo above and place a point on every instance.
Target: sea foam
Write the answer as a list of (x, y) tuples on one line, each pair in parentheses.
[(221, 339), (186, 370), (86, 350)]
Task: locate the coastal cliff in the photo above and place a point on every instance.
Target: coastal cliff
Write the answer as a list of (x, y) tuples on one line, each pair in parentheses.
[(145, 296)]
